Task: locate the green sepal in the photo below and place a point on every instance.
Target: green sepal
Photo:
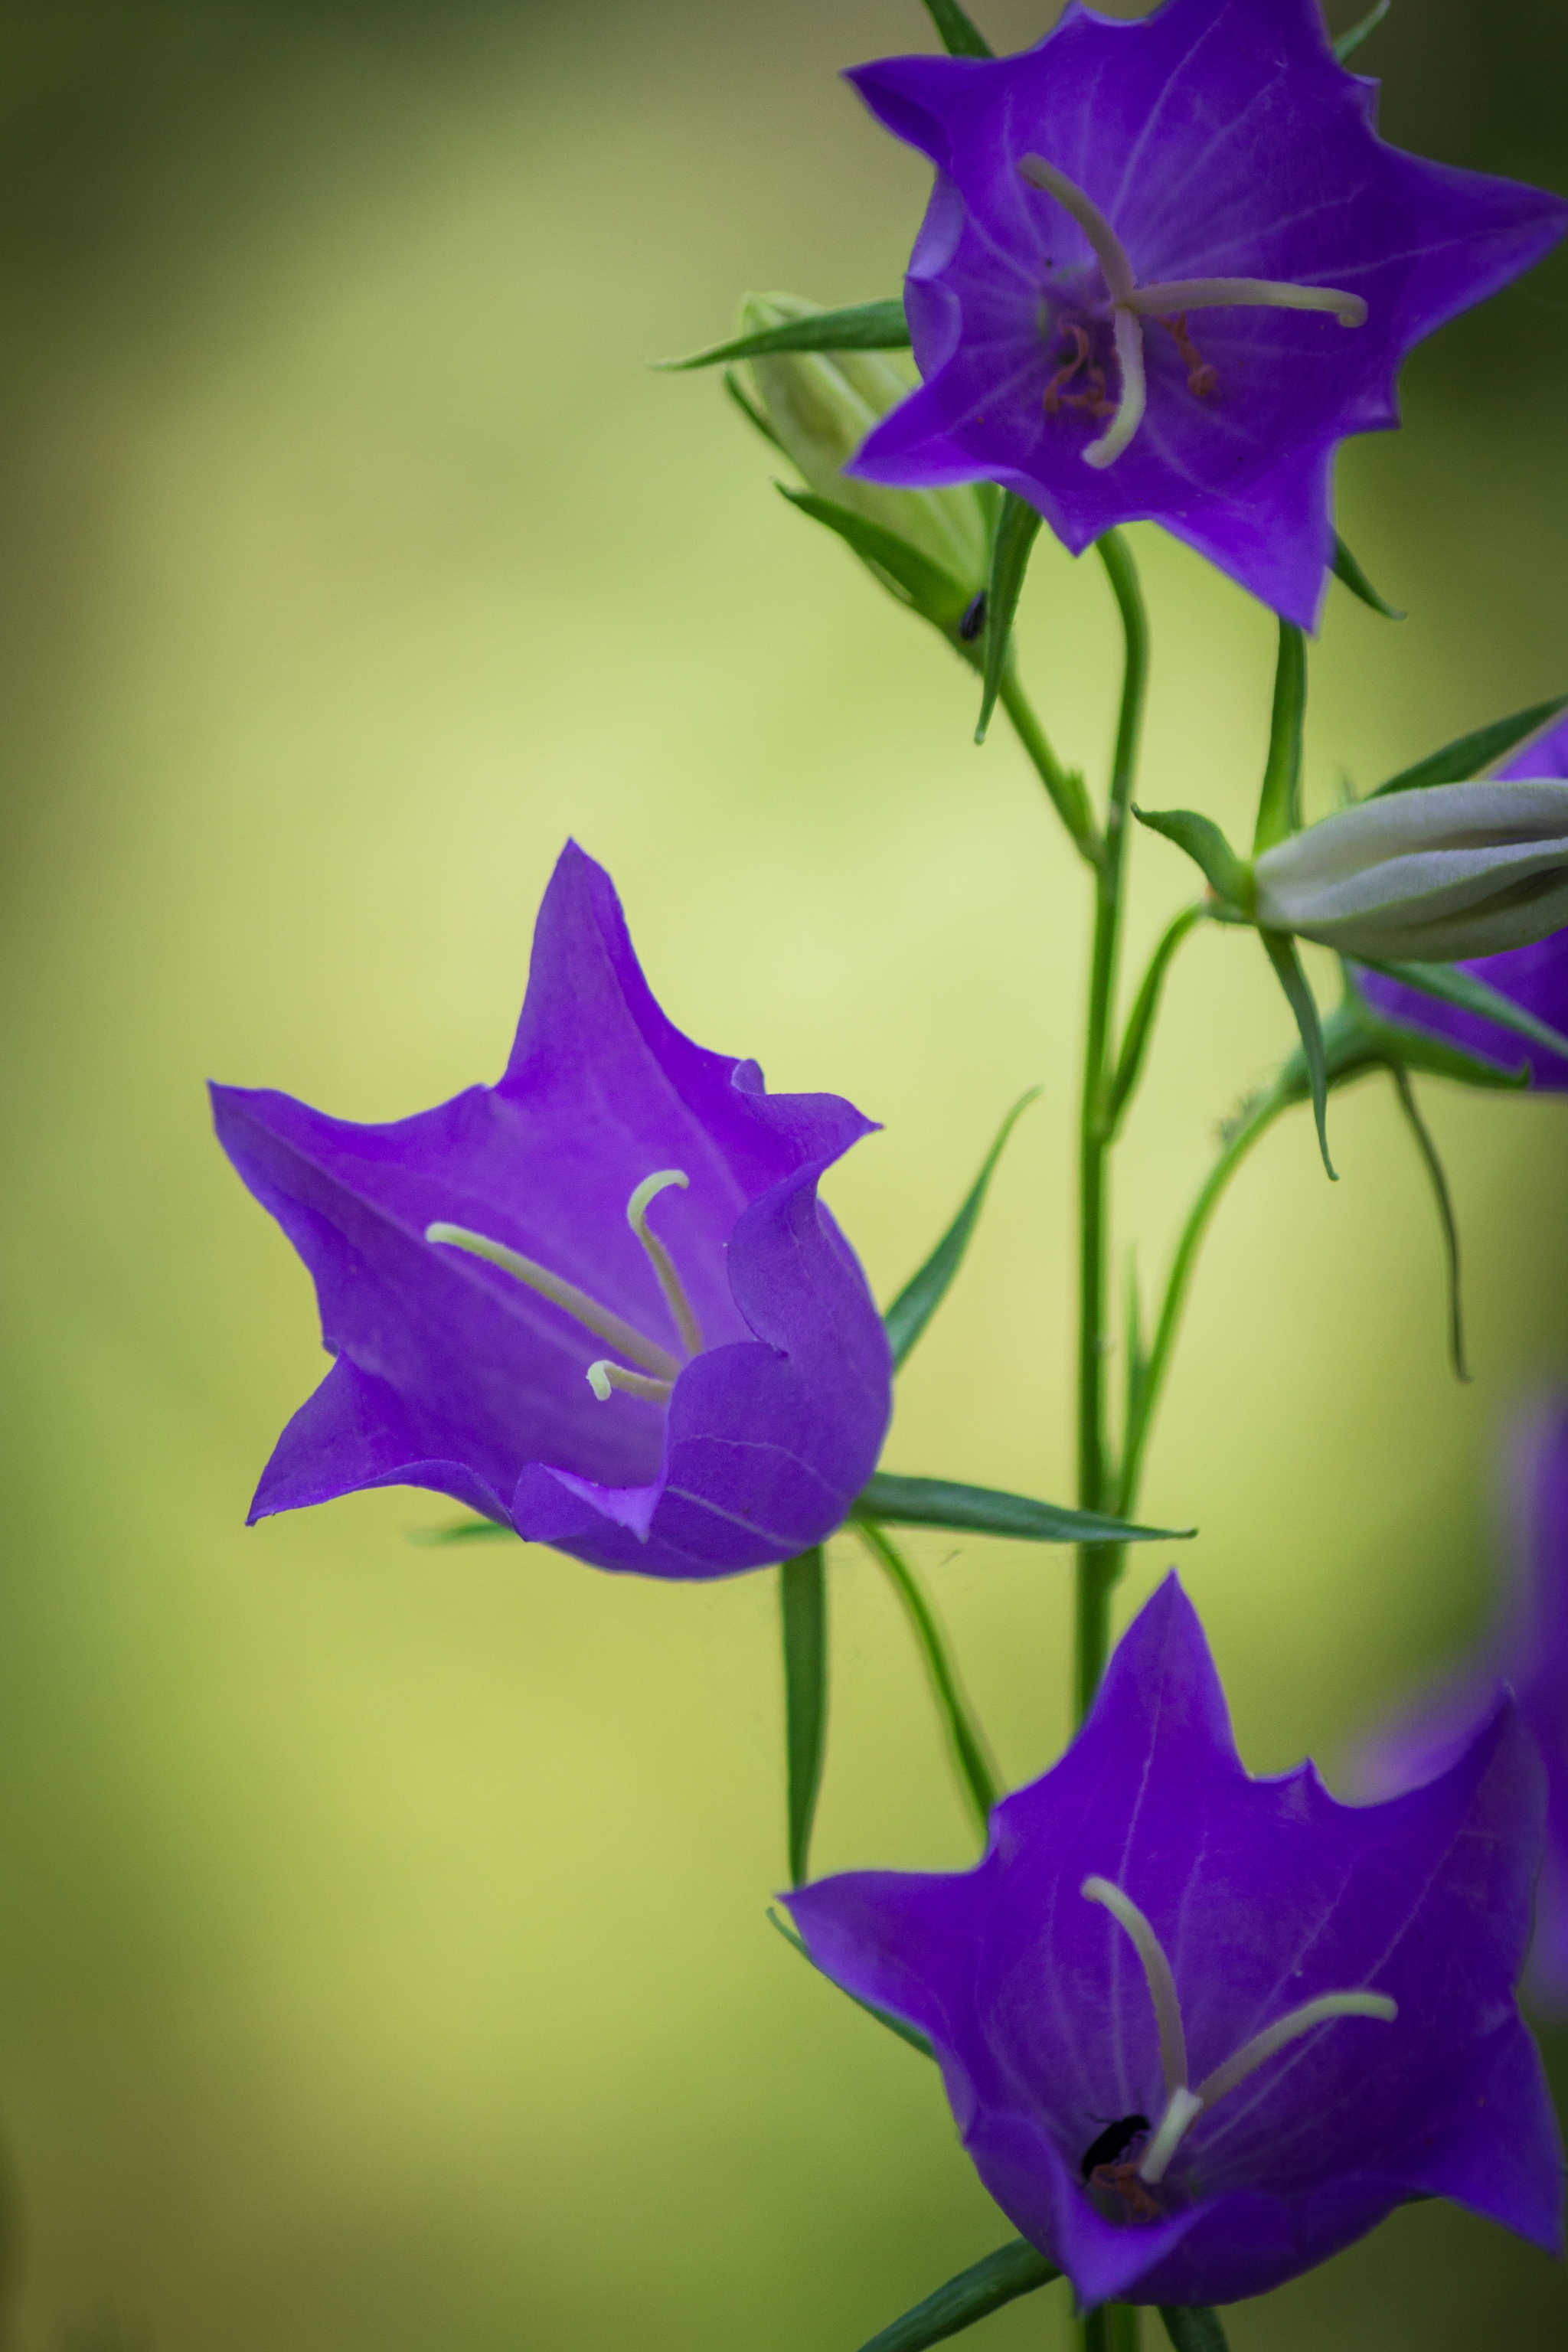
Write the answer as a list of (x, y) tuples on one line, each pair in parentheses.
[(910, 576), (862, 327), (959, 38), (988, 1511), (1357, 1039), (921, 1297), (1445, 1217), (1279, 802), (1013, 2270), (1346, 46), (466, 1531), (1018, 528), (1450, 985), (1465, 759), (749, 409), (803, 1600), (1227, 875), (1195, 2326), (1345, 568), (791, 1935), (1280, 948)]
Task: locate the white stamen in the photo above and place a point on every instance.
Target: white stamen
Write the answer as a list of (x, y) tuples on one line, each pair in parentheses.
[(669, 1282), (604, 1323), (1178, 294), (1251, 2055), (1130, 301), (1179, 2113), (605, 1377), (1157, 1969)]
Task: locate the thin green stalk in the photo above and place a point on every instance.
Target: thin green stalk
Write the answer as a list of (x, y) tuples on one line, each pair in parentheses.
[(1113, 2328), (1065, 785), (1255, 1122), (977, 1774), (1099, 1565)]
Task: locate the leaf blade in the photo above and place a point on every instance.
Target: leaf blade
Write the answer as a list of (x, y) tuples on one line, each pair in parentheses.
[(1013, 2270), (1018, 528), (923, 1293), (959, 38), (803, 1609), (1463, 760), (988, 1510), (878, 326)]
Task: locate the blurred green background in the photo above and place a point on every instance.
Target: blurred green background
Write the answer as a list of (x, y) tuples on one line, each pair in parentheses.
[(383, 1960)]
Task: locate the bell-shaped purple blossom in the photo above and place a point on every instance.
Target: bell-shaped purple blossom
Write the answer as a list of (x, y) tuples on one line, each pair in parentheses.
[(1534, 976), (1526, 1647), (1167, 266), (1199, 2030), (599, 1301)]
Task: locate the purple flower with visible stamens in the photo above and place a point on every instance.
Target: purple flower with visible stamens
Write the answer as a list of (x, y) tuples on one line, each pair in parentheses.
[(1528, 1648), (1535, 976), (1198, 2031), (1167, 266), (511, 1330)]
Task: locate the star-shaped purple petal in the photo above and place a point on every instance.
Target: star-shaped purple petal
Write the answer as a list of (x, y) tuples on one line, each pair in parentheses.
[(1218, 140), (452, 1375), (1265, 1896)]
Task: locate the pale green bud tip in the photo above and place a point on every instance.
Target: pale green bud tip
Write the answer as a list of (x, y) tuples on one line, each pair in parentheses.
[(1429, 875)]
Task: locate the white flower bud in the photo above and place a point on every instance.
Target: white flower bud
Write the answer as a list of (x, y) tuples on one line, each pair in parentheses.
[(822, 406), (1424, 877)]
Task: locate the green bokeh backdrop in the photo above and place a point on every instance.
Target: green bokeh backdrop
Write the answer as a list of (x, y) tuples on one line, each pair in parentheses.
[(382, 1960)]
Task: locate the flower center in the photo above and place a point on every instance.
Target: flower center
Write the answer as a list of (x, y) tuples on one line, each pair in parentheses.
[(1182, 2105), (1131, 303), (658, 1368)]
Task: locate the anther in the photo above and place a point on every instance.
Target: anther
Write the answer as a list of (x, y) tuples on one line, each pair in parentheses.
[(604, 1377), (603, 1321), (663, 1265)]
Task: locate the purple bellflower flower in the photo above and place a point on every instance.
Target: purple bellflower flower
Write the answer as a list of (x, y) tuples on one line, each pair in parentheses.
[(1528, 1646), (1535, 976), (1198, 2031), (510, 1329), (1168, 265)]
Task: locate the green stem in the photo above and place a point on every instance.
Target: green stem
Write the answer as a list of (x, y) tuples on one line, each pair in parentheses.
[(1255, 1122), (977, 1774), (1113, 2328), (1065, 785), (1099, 1565)]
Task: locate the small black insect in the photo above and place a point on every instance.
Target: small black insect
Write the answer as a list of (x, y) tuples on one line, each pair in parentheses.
[(974, 619), (1112, 2140)]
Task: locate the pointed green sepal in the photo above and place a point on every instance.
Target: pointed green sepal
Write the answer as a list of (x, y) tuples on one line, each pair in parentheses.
[(1357, 1039), (1452, 985), (1193, 2327), (1227, 875), (862, 327), (802, 1597), (1281, 952), (987, 1511), (1018, 528), (883, 2016), (921, 1297), (749, 409), (959, 38), (465, 1531), (1345, 568), (912, 577), (1445, 1217), (1279, 802), (1011, 2270), (1348, 43), (1468, 756)]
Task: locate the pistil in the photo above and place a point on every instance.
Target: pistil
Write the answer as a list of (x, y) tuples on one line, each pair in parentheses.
[(1131, 302), (1182, 2105)]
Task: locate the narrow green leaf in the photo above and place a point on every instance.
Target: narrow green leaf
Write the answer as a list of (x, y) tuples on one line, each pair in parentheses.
[(987, 1511), (1470, 756), (978, 1778), (1226, 875), (749, 409), (1281, 952), (883, 2016), (1279, 802), (1013, 2270), (1346, 46), (921, 1297), (1440, 1194), (465, 1531), (803, 1595), (1345, 567), (912, 576), (959, 38), (1137, 1351), (1193, 2328), (863, 327), (1018, 527), (1452, 985), (1141, 1020)]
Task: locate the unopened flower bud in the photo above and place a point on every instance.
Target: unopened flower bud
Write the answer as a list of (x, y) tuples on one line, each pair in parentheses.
[(821, 404), (1426, 877)]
